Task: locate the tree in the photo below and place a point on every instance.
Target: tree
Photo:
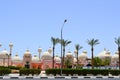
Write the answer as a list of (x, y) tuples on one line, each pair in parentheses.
[(64, 44), (92, 43), (106, 62), (97, 61), (54, 42), (117, 41), (68, 63), (77, 47)]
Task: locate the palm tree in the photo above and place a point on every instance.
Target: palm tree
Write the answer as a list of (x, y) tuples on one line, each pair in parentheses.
[(54, 42), (64, 44), (117, 41), (92, 43), (77, 47)]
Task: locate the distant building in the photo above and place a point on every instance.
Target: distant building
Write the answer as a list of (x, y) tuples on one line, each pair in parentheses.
[(45, 60)]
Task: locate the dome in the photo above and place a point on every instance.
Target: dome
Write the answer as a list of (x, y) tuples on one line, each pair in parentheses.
[(46, 55), (69, 54), (57, 59), (4, 52), (27, 52), (50, 50), (115, 56), (85, 51), (83, 54), (108, 54), (104, 54), (75, 60), (16, 58), (35, 58)]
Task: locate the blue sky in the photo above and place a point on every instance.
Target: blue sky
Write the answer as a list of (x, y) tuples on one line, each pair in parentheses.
[(32, 23)]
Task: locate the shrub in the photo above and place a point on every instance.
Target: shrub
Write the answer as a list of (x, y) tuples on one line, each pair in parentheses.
[(83, 72), (53, 71), (14, 67), (25, 71), (4, 71)]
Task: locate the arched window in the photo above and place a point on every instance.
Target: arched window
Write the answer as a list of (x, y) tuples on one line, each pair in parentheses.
[(27, 65)]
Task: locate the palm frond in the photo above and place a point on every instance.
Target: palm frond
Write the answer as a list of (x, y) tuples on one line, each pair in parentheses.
[(117, 41), (96, 42), (65, 42), (93, 42), (78, 47), (54, 41)]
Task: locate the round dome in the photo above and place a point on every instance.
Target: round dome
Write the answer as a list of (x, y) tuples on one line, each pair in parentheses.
[(108, 54), (69, 54), (85, 51), (115, 56), (27, 52), (16, 58), (50, 50), (4, 52), (46, 55), (35, 58), (75, 60), (57, 59), (104, 54), (83, 54)]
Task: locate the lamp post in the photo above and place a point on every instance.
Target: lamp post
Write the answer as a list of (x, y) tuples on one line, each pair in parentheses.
[(39, 51), (61, 44), (9, 55)]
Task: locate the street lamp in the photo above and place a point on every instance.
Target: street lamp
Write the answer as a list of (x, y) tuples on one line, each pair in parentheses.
[(61, 44), (9, 55), (39, 51)]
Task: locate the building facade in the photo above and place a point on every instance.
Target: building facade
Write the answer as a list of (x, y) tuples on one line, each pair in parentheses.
[(46, 60)]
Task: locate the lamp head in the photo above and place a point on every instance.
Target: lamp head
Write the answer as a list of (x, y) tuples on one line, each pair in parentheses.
[(65, 20), (11, 45)]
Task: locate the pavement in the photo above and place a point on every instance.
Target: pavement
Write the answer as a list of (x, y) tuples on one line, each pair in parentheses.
[(43, 76)]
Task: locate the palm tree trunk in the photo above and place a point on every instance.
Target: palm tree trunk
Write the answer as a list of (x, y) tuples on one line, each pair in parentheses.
[(63, 57), (77, 58), (119, 57), (53, 57), (92, 58)]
